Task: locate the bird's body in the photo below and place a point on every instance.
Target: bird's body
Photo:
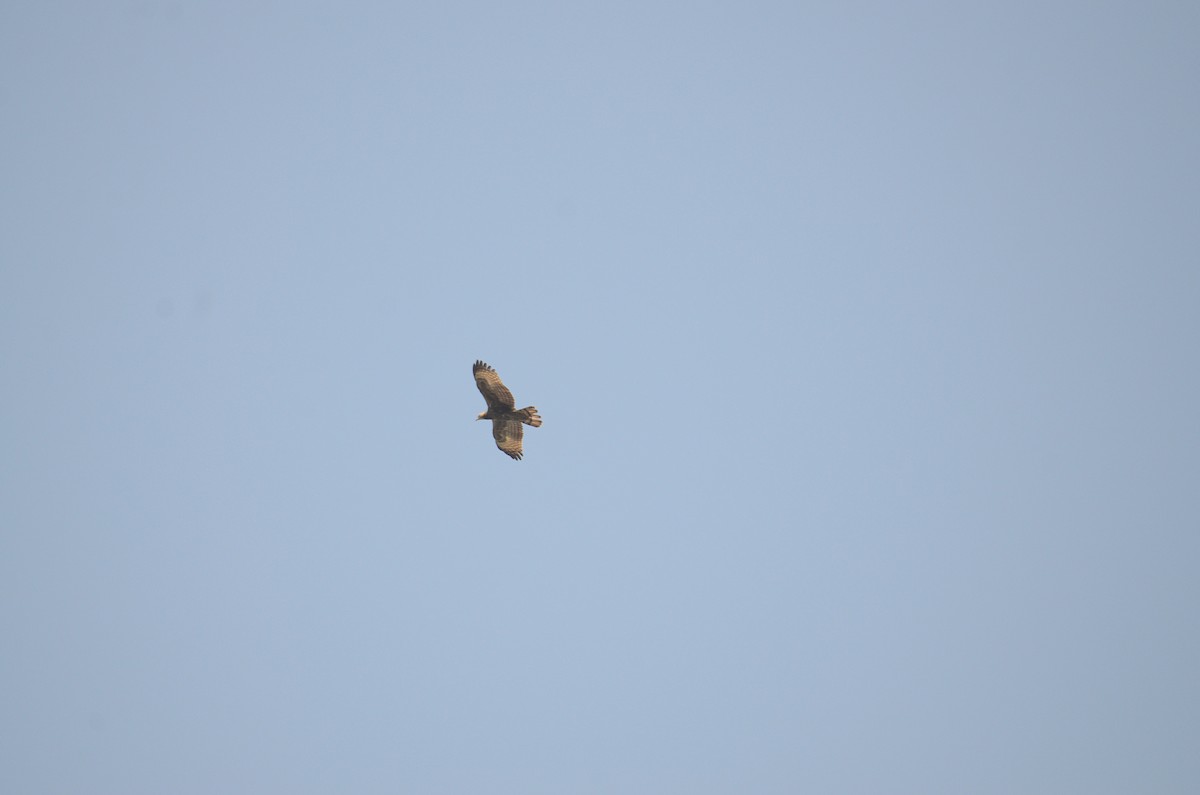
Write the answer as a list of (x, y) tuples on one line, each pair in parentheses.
[(501, 410)]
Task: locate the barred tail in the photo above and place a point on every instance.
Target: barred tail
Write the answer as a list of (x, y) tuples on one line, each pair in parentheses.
[(529, 416)]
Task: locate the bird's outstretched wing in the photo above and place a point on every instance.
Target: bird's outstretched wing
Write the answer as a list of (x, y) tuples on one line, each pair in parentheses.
[(507, 434), (495, 393)]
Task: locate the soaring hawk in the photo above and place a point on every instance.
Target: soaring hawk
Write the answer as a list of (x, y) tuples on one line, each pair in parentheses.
[(506, 420)]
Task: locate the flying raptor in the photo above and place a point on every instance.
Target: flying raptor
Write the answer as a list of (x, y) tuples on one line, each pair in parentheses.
[(506, 420)]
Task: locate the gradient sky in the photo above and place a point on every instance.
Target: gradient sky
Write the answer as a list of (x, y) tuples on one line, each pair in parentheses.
[(865, 336)]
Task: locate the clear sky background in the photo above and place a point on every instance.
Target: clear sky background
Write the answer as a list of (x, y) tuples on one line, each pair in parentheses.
[(865, 335)]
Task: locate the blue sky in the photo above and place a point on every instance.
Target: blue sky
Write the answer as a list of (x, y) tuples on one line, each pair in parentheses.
[(864, 335)]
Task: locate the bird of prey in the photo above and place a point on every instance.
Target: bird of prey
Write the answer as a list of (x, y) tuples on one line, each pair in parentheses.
[(506, 420)]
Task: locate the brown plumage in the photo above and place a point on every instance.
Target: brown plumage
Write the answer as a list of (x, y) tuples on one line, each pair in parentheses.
[(506, 420)]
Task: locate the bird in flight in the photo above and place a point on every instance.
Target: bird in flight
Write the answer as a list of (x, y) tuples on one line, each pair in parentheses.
[(506, 420)]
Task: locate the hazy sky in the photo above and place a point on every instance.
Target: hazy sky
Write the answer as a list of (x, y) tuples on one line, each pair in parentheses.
[(865, 336)]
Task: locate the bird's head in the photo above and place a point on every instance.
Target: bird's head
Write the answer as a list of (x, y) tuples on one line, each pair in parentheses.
[(483, 415)]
